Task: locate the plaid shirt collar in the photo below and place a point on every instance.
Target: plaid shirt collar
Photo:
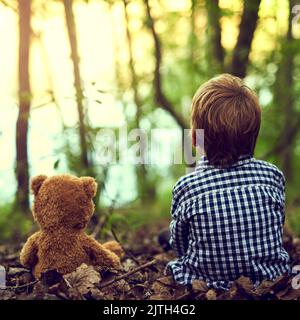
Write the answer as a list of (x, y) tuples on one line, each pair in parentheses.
[(203, 163)]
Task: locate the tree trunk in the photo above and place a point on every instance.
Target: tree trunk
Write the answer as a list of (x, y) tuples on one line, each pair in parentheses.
[(160, 97), (215, 49), (134, 80), (284, 92), (71, 26), (193, 32), (247, 28), (141, 169), (22, 174)]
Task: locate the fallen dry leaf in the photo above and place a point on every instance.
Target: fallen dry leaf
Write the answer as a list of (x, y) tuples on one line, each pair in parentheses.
[(272, 287), (211, 294), (246, 284), (199, 286), (128, 264), (289, 294), (83, 279), (138, 292), (161, 291)]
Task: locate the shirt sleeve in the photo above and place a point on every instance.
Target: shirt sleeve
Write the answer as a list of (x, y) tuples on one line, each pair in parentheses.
[(178, 229)]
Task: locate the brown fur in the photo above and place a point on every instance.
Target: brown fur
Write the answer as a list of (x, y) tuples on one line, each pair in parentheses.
[(63, 207)]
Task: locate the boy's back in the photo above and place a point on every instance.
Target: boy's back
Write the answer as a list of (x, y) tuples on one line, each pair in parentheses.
[(228, 223)]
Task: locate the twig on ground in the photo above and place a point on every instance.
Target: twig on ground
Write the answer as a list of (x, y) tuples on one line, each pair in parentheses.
[(129, 253), (22, 286), (129, 273), (186, 296)]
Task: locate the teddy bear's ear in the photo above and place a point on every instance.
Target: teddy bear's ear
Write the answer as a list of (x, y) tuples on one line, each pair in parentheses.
[(36, 183), (90, 186)]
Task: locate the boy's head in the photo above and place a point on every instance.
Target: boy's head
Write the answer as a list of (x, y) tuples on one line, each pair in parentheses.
[(229, 113)]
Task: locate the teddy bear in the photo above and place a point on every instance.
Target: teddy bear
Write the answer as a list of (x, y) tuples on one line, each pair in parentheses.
[(62, 207)]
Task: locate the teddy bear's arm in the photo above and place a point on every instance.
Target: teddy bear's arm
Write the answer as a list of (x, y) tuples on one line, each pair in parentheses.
[(99, 255), (115, 247), (28, 256)]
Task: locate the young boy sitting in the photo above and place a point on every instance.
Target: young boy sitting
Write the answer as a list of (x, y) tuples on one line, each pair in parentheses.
[(228, 215)]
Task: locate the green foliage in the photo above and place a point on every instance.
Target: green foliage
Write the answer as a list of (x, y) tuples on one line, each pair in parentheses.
[(294, 221), (117, 220), (14, 225), (126, 220)]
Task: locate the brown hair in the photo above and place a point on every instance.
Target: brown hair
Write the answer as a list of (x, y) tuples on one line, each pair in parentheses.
[(230, 115)]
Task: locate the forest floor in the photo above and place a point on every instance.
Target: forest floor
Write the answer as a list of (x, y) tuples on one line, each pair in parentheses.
[(142, 277)]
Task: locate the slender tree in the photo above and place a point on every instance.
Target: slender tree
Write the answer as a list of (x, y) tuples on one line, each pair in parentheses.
[(247, 28), (215, 48), (193, 32), (134, 77), (284, 97), (22, 173), (71, 26), (141, 169), (160, 96)]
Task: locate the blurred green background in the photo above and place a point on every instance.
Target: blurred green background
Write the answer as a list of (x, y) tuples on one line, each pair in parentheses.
[(70, 68)]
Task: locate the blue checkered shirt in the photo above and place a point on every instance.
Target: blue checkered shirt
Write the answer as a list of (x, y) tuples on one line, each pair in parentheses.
[(229, 222)]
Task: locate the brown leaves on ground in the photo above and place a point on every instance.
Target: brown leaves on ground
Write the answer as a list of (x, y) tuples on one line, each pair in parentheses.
[(151, 282), (82, 280)]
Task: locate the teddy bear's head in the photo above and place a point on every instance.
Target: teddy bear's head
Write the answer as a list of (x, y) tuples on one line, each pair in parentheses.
[(63, 201)]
